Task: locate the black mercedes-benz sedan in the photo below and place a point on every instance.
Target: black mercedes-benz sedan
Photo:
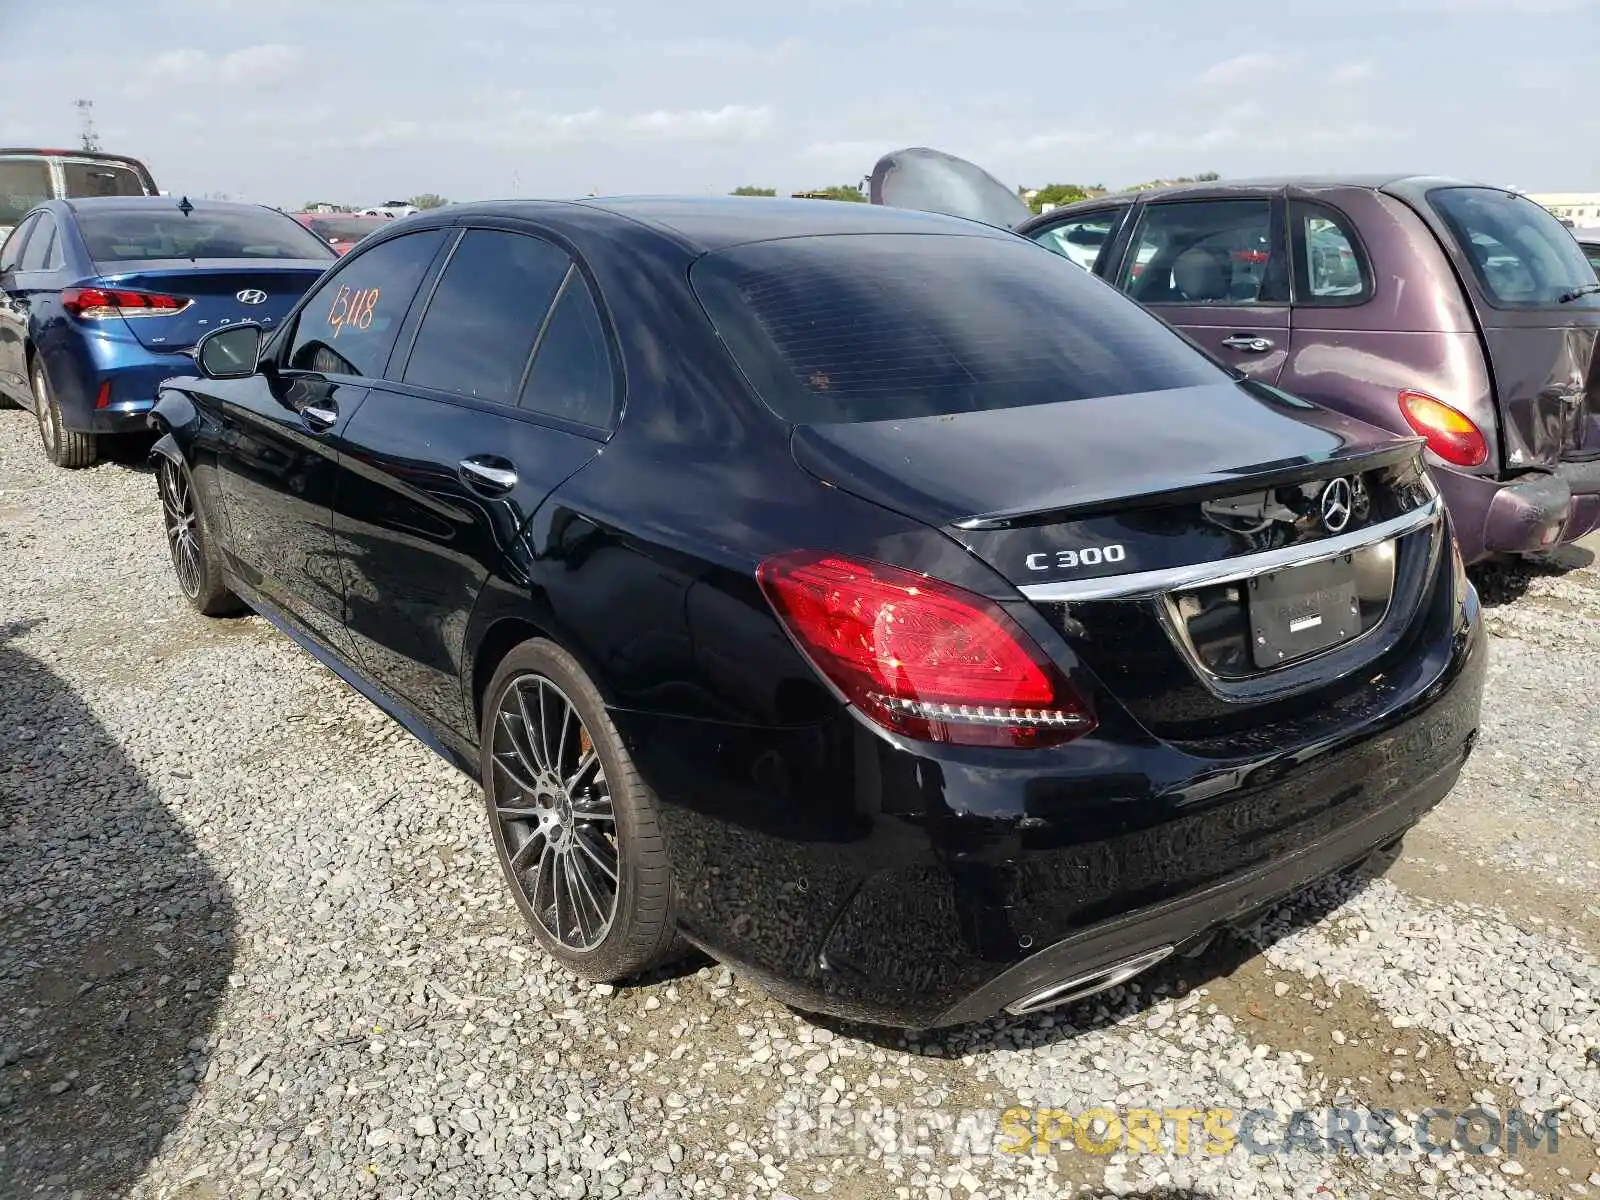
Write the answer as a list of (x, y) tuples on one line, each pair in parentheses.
[(867, 597)]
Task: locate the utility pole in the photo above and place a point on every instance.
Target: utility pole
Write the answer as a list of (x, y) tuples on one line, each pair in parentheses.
[(87, 135)]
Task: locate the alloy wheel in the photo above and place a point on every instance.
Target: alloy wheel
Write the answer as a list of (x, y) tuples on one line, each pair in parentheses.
[(177, 510), (43, 411), (552, 811)]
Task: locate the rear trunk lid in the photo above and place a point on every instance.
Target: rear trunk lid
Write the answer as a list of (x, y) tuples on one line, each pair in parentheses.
[(1526, 278), (1218, 556), (219, 291), (1162, 479)]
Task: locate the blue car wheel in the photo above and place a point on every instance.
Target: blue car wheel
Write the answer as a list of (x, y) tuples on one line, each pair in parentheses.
[(64, 447)]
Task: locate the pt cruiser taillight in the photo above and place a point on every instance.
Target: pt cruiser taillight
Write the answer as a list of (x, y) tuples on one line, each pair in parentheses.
[(1451, 434)]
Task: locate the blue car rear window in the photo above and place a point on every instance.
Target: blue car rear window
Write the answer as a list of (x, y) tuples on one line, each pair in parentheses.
[(160, 231), (894, 326)]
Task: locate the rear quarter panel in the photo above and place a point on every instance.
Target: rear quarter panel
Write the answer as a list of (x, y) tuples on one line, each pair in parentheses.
[(1417, 331)]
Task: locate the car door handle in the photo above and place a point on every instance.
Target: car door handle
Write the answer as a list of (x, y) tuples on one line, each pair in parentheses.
[(1253, 343), (492, 475), (320, 416)]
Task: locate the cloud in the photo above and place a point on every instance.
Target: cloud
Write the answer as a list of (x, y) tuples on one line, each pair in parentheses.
[(526, 128), (1241, 128), (1245, 68), (254, 69), (1352, 73)]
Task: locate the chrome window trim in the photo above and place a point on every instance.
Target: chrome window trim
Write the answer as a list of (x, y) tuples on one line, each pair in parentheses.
[(1144, 584)]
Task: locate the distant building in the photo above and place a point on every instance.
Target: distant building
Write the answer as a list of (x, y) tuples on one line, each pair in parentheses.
[(1581, 208)]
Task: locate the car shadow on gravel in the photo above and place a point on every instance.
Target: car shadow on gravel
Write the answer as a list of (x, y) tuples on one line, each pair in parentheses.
[(1501, 583), (116, 940), (1229, 950)]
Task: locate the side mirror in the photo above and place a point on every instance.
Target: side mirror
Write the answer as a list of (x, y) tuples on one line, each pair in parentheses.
[(232, 352)]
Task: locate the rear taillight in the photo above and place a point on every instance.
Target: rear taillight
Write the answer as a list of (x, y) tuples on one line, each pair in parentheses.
[(920, 657), (1451, 434), (95, 304)]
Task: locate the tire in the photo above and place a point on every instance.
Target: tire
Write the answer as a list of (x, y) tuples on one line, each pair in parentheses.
[(196, 563), (64, 447), (553, 851)]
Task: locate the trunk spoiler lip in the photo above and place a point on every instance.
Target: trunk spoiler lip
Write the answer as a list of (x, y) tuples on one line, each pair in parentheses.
[(1204, 487), (1144, 584)]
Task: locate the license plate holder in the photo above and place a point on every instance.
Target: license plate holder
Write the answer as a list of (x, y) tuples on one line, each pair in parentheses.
[(1302, 610)]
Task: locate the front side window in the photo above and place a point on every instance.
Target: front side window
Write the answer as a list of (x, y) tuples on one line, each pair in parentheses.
[(1329, 265), (485, 315), (160, 231), (1081, 239), (1201, 252), (869, 327), (24, 182), (1591, 251), (41, 246), (11, 252), (349, 324), (571, 375), (1520, 254)]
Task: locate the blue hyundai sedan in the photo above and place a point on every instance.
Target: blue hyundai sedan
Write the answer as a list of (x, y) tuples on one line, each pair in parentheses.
[(104, 296)]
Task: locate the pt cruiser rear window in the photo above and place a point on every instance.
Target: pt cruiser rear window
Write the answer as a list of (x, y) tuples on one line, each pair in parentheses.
[(1520, 254), (868, 327)]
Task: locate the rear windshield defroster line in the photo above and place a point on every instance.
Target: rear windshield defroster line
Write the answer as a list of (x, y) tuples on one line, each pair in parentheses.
[(866, 327)]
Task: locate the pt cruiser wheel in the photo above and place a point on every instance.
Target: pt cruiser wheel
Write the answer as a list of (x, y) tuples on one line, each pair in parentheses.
[(577, 832)]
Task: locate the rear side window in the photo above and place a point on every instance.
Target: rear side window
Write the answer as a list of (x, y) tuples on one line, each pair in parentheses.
[(893, 326), (1329, 266), (485, 315), (1520, 254), (100, 179), (1201, 252), (41, 246), (1591, 251), (571, 376), (348, 325), (160, 230), (24, 182)]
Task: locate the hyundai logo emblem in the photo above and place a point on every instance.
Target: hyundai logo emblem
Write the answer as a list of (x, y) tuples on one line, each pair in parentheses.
[(251, 296), (1338, 501)]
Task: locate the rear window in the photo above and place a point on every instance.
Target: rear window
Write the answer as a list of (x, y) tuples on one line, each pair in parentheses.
[(345, 229), (894, 326), (127, 235), (100, 179), (1520, 254), (24, 182)]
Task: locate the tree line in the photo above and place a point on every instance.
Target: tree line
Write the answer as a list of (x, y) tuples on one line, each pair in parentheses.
[(1052, 194)]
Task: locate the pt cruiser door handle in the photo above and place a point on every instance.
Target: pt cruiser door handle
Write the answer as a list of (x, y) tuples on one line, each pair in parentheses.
[(1253, 343)]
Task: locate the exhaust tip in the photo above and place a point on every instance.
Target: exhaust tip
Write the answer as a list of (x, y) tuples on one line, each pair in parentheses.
[(1066, 991)]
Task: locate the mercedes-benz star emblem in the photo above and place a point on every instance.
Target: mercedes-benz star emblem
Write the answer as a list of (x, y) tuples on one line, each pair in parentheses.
[(1338, 500), (251, 296)]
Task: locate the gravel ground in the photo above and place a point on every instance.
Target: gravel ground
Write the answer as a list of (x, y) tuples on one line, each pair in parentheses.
[(253, 942)]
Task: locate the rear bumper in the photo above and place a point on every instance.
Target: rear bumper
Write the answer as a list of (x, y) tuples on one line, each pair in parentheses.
[(125, 416), (113, 393), (1523, 515), (919, 886)]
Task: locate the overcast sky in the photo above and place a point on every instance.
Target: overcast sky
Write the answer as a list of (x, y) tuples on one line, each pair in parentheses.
[(292, 100)]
